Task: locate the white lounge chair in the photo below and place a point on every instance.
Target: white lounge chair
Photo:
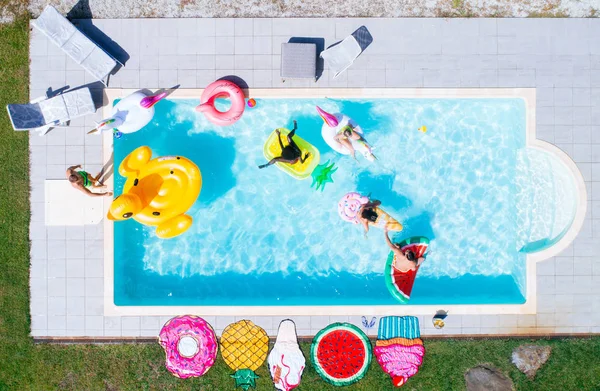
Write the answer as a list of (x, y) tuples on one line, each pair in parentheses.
[(44, 113), (339, 57), (80, 48)]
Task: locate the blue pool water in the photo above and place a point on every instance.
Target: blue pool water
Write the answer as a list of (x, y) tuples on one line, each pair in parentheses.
[(261, 237)]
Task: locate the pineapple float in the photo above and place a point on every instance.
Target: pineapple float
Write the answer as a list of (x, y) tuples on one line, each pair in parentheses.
[(244, 348)]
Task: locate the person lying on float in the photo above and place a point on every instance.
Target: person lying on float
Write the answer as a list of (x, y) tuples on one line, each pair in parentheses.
[(345, 138), (403, 261), (290, 153)]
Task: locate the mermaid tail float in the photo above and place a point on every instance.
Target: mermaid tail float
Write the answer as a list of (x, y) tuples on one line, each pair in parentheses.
[(334, 124), (131, 113), (399, 349)]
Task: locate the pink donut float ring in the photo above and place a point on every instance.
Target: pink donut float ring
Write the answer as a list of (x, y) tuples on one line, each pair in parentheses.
[(349, 205), (222, 89), (190, 345)]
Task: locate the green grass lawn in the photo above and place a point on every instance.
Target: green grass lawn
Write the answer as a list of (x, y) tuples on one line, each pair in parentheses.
[(574, 364)]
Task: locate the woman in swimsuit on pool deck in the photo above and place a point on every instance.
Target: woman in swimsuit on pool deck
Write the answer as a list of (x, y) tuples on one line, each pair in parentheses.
[(403, 261), (83, 181), (291, 153)]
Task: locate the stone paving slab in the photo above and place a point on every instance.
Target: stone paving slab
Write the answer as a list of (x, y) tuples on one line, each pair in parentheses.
[(303, 8), (559, 57)]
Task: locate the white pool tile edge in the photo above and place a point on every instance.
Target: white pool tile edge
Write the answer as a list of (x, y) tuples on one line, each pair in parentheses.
[(529, 307)]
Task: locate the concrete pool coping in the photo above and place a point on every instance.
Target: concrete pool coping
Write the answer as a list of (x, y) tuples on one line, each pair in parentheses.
[(529, 307)]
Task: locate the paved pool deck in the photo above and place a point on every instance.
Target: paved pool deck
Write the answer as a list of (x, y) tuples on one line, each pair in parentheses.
[(558, 57)]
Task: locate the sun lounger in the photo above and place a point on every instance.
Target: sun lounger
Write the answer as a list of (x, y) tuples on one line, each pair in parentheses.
[(339, 57), (43, 114), (80, 48)]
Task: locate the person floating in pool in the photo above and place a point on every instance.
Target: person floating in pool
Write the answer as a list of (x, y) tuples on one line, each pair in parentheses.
[(368, 215), (83, 181), (403, 261), (290, 153), (345, 137)]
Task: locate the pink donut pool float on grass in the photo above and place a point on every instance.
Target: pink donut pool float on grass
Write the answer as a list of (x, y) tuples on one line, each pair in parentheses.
[(222, 89), (349, 205), (190, 345)]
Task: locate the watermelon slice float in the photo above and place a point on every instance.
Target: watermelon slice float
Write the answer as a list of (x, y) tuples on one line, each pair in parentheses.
[(341, 354), (399, 283)]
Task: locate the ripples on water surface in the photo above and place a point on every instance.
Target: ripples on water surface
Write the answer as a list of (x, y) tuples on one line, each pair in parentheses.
[(262, 228)]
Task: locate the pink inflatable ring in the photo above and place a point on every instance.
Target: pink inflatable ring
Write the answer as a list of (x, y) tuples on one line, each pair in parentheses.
[(190, 345), (349, 205), (222, 89)]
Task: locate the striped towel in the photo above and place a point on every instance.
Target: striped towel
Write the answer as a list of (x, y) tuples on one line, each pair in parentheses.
[(398, 326)]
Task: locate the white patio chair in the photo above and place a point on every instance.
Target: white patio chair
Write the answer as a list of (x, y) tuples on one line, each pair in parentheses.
[(73, 42), (43, 114), (341, 56)]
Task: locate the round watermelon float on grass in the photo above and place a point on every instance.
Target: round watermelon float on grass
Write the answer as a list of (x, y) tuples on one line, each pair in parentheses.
[(341, 354)]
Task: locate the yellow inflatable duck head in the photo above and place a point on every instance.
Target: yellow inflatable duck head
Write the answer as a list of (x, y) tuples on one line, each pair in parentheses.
[(157, 192), (124, 207)]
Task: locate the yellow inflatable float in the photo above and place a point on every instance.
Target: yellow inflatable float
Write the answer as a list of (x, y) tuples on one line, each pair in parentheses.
[(298, 170), (157, 192)]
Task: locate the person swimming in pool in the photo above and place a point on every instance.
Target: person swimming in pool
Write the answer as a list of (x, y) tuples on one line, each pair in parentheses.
[(403, 261), (290, 153), (345, 137), (367, 214)]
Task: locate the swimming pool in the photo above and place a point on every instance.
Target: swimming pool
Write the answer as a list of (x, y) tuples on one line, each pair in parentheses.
[(263, 238)]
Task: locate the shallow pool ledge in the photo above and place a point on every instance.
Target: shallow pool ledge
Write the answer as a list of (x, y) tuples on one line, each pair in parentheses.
[(581, 201)]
